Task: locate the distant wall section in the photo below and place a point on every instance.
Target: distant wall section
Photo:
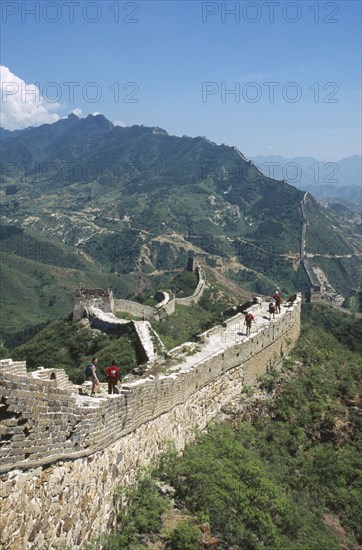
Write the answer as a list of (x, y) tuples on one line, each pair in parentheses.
[(94, 297), (196, 296), (135, 309)]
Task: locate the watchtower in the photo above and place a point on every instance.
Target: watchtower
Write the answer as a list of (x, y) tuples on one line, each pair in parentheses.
[(314, 294)]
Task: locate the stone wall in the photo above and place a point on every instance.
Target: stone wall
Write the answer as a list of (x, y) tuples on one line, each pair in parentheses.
[(190, 300), (165, 307), (63, 455), (145, 336), (135, 309), (167, 302), (94, 297)]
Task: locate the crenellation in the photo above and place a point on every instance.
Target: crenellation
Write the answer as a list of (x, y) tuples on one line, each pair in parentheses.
[(80, 439)]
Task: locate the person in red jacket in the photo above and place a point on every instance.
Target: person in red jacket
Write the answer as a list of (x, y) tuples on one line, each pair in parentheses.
[(249, 318), (112, 377), (278, 300)]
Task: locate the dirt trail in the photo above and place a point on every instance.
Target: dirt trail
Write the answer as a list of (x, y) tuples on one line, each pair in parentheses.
[(233, 287)]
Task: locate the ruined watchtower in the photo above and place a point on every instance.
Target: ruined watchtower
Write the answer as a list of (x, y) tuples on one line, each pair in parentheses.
[(92, 297), (314, 294), (195, 261)]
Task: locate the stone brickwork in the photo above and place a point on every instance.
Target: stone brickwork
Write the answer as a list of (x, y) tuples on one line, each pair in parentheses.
[(314, 294), (194, 299), (165, 307), (167, 302), (63, 455), (147, 340), (135, 309), (92, 297)]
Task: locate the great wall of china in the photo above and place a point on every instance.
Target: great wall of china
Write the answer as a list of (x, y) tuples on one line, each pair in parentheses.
[(166, 305), (64, 454)]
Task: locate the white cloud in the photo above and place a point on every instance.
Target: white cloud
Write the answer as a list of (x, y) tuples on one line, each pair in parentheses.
[(119, 123), (22, 104)]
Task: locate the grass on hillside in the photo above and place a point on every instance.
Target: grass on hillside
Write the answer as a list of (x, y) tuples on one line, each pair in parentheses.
[(324, 233), (189, 321), (289, 479), (182, 284), (340, 272), (345, 328), (184, 325), (70, 345), (34, 293)]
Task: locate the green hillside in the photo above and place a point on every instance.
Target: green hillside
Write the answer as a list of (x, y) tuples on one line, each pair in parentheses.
[(284, 475), (66, 344), (38, 279), (69, 345), (135, 201)]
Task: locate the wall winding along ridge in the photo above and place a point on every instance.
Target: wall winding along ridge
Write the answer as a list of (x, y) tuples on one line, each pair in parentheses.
[(196, 296), (63, 454)]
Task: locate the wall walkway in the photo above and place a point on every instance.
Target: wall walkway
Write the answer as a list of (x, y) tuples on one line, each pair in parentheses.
[(63, 455)]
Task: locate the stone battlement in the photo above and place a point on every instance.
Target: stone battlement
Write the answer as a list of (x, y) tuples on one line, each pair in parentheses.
[(44, 419), (64, 454), (92, 297)]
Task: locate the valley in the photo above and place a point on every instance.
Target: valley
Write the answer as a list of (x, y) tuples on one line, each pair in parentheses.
[(83, 201)]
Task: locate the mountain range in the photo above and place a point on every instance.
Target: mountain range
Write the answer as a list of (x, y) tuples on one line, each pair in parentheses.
[(85, 201), (335, 181)]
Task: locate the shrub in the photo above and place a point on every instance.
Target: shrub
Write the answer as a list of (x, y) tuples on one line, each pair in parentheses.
[(186, 536), (140, 510)]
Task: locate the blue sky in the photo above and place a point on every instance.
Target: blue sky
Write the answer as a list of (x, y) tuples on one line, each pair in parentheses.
[(294, 69)]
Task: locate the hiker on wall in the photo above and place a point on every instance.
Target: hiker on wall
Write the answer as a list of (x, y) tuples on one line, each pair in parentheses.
[(272, 308), (91, 372), (112, 377), (278, 300), (249, 318)]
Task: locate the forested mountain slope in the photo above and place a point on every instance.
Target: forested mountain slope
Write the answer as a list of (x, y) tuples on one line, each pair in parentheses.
[(136, 202)]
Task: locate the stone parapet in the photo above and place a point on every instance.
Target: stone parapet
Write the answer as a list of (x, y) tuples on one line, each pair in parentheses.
[(135, 309), (44, 419), (194, 299), (93, 297), (63, 455)]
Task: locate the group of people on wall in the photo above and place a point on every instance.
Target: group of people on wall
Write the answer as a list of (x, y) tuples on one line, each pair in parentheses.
[(274, 307), (112, 374)]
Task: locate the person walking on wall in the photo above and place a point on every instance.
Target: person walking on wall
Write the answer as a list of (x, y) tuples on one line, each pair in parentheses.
[(249, 318), (91, 372), (112, 377), (272, 310), (278, 300)]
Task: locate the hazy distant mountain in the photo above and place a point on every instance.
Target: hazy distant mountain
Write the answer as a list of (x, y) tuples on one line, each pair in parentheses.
[(322, 179), (5, 134)]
